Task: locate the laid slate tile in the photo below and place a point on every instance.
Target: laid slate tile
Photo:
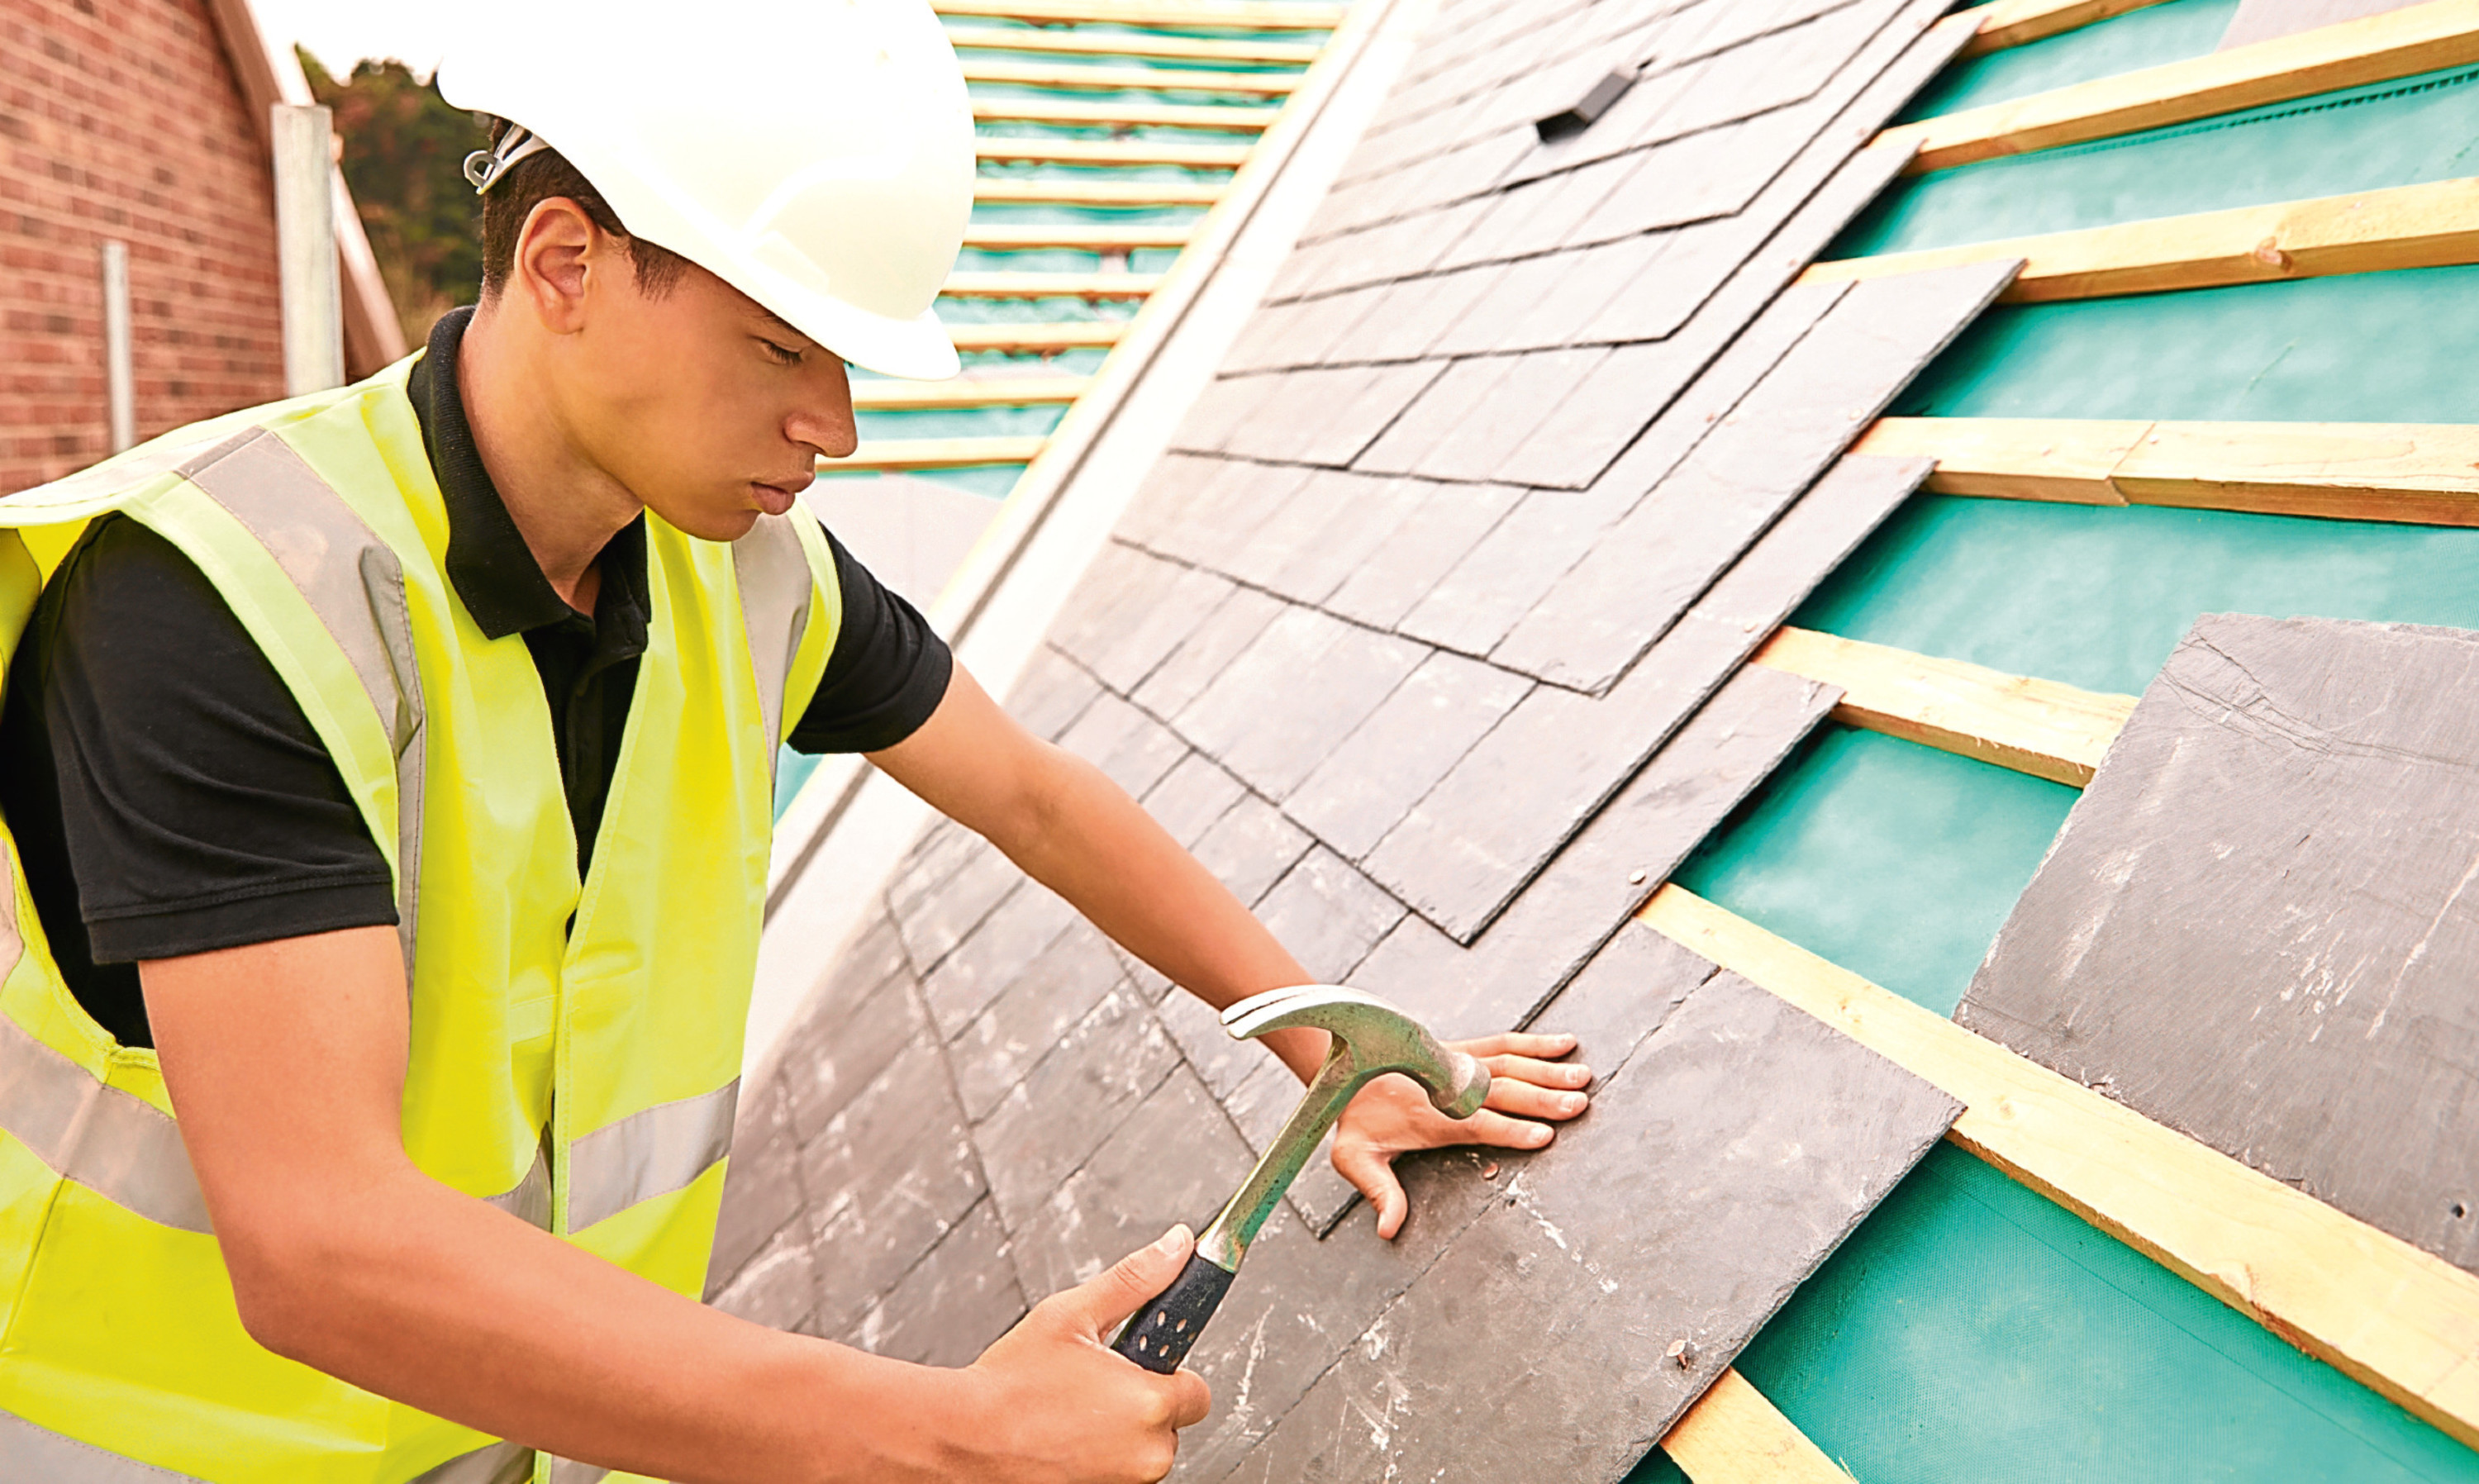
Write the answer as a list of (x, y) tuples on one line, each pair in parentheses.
[(1169, 496), (1567, 311), (933, 924), (1774, 70), (1453, 399), (1218, 1060), (1328, 915), (1052, 993), (1175, 1159), (1725, 1162), (941, 849), (1623, 128), (833, 1056), (1500, 579), (762, 1191), (1074, 1099), (1362, 417), (1031, 918), (875, 953), (1251, 847), (1148, 611), (1718, 172), (1302, 400), (1264, 1098), (1227, 512), (1491, 320), (1537, 383), (1286, 700), (1298, 1302), (953, 1302), (1406, 745), (1121, 740), (1286, 533), (1754, 463), (1576, 196), (1273, 338), (2257, 925), (1492, 820), (1191, 796), (889, 1175), (1598, 879), (1207, 655), (1051, 693), (1417, 313), (778, 1287), (1366, 512), (1506, 216), (1225, 406), (1447, 522)]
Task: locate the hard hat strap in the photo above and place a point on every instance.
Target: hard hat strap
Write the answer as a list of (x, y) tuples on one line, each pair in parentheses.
[(485, 166)]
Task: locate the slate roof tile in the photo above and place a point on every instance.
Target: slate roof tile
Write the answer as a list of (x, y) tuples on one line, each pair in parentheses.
[(1225, 406), (1220, 1061), (1191, 796), (1444, 405), (835, 1052), (778, 1287), (1073, 1099), (1628, 125), (1122, 741), (1578, 287), (1369, 412), (1486, 324), (986, 962), (1416, 314), (1363, 513), (953, 1302), (1225, 511), (1202, 654), (1250, 848), (1451, 517), (1169, 496), (1328, 915), (1536, 384), (891, 1175), (1040, 1003), (934, 923), (1050, 694), (1330, 673), (1500, 579), (761, 1191), (1364, 785)]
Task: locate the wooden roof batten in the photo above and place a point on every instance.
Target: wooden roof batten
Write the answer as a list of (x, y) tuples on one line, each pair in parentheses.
[(2408, 473), (1222, 118), (1233, 14), (1130, 43), (2372, 49)]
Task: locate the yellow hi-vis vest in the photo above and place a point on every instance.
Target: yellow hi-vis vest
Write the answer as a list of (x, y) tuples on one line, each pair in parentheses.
[(582, 1077)]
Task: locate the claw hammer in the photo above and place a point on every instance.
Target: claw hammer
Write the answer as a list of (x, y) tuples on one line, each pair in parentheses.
[(1370, 1038)]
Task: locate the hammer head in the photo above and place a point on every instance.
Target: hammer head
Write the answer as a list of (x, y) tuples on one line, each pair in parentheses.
[(1376, 1037)]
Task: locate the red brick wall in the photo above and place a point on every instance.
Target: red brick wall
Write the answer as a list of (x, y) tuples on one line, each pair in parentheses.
[(120, 119)]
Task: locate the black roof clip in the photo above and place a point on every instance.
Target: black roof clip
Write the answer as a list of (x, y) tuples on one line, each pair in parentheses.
[(1577, 116)]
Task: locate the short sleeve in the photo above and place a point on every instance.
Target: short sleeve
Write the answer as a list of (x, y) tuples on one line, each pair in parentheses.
[(886, 674)]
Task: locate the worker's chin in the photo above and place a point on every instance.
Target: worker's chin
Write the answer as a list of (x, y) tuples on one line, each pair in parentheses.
[(713, 521)]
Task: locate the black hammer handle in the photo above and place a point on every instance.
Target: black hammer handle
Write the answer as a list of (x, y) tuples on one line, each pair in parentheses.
[(1158, 1338)]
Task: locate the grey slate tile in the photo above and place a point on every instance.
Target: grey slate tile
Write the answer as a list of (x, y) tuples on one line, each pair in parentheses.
[(1250, 848), (1368, 412), (1270, 342), (1366, 512), (1051, 693), (1776, 70), (1504, 576), (1368, 782), (1416, 314), (1446, 405), (1169, 496), (1581, 285), (1125, 743), (1106, 622), (838, 1052), (2257, 927), (1492, 820), (1225, 406), (1516, 288), (1227, 512), (1718, 172), (1219, 1062), (761, 1191), (1289, 524), (1446, 523), (1074, 1099), (955, 1301), (1328, 915), (1175, 1159), (1191, 796), (934, 922), (1203, 654), (889, 1176), (1597, 880), (1752, 465), (1722, 1162), (1574, 197), (1285, 701), (778, 1287), (1052, 992), (1028, 921), (873, 953)]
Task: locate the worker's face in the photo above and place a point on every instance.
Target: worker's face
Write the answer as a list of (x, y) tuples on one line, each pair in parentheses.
[(705, 406)]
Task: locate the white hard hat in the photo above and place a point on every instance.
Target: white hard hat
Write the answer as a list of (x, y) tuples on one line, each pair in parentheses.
[(817, 155)]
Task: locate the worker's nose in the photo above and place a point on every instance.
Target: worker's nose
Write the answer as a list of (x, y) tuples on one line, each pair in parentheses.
[(826, 422)]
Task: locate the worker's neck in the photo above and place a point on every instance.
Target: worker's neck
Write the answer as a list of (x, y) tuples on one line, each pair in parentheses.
[(565, 504)]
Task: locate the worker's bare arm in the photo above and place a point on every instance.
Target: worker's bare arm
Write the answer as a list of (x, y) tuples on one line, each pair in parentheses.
[(1078, 832), (285, 1065)]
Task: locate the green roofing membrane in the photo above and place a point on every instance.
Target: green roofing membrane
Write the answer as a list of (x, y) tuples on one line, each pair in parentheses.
[(1971, 1329)]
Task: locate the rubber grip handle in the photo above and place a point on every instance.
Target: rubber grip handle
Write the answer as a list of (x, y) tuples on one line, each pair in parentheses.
[(1158, 1335)]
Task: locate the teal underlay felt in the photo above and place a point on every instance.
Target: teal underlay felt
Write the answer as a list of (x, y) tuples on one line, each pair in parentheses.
[(1896, 862), (2097, 596), (2147, 37), (2367, 348), (2398, 133)]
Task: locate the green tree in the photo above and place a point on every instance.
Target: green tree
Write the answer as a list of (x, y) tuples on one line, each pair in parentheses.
[(405, 156)]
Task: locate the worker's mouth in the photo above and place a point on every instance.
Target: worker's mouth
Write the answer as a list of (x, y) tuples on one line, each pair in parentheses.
[(776, 499)]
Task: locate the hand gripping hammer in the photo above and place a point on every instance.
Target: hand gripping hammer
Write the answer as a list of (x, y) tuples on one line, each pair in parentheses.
[(1370, 1038)]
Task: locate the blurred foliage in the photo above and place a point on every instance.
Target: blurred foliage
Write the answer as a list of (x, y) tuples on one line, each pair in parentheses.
[(404, 157)]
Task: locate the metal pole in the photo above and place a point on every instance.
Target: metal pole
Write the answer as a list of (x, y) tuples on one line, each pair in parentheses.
[(305, 249), (119, 381)]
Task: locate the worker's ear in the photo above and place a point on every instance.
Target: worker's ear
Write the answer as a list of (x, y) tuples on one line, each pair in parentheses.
[(561, 255)]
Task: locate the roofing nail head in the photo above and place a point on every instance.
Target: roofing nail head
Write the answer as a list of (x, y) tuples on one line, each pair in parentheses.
[(1638, 877)]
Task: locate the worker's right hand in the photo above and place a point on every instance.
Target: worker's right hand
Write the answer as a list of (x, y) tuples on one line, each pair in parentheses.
[(1060, 1407)]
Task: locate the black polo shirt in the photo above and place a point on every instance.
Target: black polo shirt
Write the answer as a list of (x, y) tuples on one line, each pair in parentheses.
[(170, 796)]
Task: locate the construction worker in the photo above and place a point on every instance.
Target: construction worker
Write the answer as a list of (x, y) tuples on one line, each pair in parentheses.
[(395, 765)]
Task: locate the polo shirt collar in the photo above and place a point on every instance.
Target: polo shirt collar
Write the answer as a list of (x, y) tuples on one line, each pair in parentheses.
[(489, 564)]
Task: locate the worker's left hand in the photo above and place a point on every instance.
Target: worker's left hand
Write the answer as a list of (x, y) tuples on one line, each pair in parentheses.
[(1528, 1092)]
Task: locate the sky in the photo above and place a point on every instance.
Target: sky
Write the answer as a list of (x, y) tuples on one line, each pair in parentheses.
[(340, 33)]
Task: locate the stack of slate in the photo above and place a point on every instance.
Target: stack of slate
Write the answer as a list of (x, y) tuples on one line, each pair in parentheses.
[(1427, 638)]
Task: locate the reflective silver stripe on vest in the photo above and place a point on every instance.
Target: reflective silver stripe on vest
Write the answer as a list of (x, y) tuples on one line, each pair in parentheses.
[(12, 947), (530, 1202), (567, 1471), (354, 582), (647, 1154), (119, 1147), (774, 586), (31, 1452), (501, 1463)]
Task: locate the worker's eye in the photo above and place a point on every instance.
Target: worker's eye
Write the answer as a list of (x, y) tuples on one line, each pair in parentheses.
[(782, 355)]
